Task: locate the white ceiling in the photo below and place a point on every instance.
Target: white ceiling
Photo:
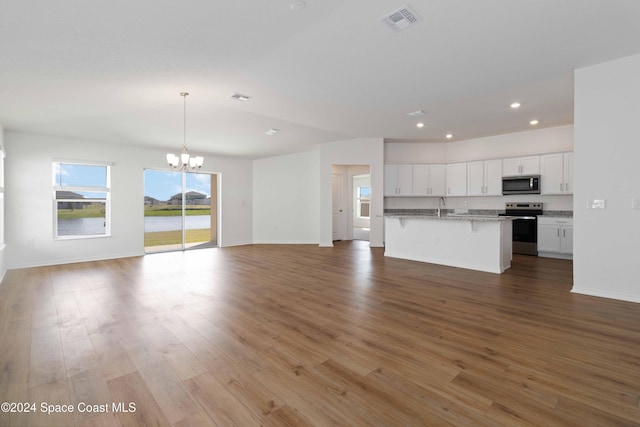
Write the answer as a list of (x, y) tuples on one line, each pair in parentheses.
[(112, 71)]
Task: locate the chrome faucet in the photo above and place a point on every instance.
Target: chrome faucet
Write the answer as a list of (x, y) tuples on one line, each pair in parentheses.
[(441, 199)]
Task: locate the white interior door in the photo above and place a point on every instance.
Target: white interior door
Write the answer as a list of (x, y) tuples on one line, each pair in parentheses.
[(339, 214)]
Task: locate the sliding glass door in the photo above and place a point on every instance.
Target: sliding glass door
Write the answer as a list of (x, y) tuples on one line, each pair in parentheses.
[(179, 210)]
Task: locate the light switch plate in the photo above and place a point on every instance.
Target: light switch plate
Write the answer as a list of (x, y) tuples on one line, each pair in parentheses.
[(635, 203), (597, 204)]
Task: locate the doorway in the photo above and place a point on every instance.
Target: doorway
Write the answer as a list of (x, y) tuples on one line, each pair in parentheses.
[(180, 210), (361, 206), (351, 202), (339, 211)]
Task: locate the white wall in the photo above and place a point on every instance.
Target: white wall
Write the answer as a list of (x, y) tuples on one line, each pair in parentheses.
[(3, 268), (29, 213), (362, 151), (607, 166), (400, 151), (285, 198), (539, 141), (293, 197), (536, 141)]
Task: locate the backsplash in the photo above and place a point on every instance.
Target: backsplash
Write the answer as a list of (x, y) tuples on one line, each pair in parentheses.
[(550, 203), (443, 211), (562, 214)]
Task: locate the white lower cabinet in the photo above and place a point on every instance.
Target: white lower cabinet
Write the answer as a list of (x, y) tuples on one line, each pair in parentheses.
[(555, 237)]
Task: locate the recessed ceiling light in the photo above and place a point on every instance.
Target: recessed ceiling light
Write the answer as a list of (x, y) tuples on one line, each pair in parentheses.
[(515, 105), (449, 136), (420, 124), (533, 122), (272, 131), (240, 97), (418, 113)]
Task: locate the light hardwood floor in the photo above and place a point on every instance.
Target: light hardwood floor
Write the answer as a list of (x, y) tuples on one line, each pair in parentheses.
[(306, 336)]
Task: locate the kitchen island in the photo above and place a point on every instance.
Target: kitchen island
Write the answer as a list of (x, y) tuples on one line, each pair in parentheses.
[(467, 241)]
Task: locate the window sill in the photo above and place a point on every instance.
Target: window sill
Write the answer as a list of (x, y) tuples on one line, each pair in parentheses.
[(93, 236)]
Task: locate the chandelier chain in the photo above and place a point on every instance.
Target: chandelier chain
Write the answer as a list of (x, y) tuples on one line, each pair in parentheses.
[(184, 161), (184, 97)]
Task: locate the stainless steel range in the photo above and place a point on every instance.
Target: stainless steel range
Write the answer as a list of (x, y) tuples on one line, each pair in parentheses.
[(525, 226)]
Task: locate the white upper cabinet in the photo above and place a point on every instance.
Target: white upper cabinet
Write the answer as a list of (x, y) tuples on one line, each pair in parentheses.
[(420, 180), (567, 168), (484, 178), (493, 177), (478, 178), (398, 180), (475, 178), (521, 166), (390, 180), (552, 178), (428, 180), (457, 179), (511, 167), (556, 173), (437, 180)]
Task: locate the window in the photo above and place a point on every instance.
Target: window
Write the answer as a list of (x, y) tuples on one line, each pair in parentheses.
[(364, 202), (81, 200)]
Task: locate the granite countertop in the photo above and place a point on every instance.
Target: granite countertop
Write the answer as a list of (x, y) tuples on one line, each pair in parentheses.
[(450, 217)]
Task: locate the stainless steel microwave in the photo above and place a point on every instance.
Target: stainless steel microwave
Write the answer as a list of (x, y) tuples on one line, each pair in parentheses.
[(521, 184)]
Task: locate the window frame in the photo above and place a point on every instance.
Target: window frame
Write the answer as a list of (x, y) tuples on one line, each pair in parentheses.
[(106, 201), (360, 200)]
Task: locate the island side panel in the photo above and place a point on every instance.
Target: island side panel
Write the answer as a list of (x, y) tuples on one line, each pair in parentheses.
[(506, 228), (472, 244)]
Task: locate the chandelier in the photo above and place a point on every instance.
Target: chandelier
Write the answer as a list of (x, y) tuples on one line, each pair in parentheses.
[(184, 161)]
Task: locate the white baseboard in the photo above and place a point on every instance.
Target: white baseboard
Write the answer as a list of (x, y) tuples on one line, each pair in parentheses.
[(76, 260), (605, 294)]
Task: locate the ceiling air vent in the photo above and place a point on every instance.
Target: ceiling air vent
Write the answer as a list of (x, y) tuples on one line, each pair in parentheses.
[(240, 97), (401, 18)]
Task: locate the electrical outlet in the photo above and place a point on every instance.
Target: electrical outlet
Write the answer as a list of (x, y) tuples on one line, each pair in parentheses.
[(597, 204)]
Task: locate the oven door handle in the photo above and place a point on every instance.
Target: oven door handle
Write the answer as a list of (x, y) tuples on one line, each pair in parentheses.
[(521, 217)]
